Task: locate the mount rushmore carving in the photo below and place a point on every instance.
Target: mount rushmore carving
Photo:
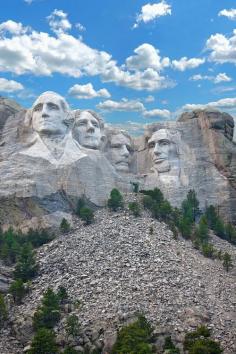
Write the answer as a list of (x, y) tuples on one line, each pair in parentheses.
[(51, 155)]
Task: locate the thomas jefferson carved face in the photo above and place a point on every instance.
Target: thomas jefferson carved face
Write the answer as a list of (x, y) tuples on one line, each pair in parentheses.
[(163, 151), (87, 130), (119, 152), (48, 114)]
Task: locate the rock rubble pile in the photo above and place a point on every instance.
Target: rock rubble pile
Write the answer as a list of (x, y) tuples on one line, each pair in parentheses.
[(116, 268)]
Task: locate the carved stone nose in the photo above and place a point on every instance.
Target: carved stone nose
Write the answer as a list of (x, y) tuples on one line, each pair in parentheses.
[(90, 127), (125, 151), (156, 150)]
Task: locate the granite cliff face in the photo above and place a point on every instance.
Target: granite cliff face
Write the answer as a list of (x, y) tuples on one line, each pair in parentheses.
[(51, 155), (7, 108)]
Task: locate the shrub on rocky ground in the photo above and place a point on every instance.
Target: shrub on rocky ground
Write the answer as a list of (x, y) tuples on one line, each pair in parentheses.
[(26, 267), (3, 311), (86, 215), (199, 342), (44, 342), (64, 226), (48, 314), (116, 200), (134, 338), (134, 208), (18, 290)]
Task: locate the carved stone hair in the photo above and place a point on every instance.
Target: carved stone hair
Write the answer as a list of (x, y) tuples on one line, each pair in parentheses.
[(78, 113), (110, 132)]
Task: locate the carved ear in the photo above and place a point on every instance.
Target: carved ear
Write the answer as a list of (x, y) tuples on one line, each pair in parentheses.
[(103, 141)]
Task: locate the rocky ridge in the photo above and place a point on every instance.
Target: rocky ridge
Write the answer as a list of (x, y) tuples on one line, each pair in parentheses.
[(116, 268)]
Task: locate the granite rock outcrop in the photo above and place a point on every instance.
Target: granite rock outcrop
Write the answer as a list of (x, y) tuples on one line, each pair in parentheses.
[(51, 155)]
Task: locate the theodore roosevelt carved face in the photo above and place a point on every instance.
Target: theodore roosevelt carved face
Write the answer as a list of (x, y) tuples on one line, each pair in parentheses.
[(163, 150), (119, 151), (87, 129), (48, 116)]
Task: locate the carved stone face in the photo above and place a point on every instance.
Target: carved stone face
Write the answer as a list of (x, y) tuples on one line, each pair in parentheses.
[(163, 151), (87, 131), (48, 115), (119, 154)]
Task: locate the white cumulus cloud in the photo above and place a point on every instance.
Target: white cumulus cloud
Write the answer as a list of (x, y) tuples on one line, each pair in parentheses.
[(10, 85), (40, 53), (223, 103), (149, 79), (87, 91), (12, 27), (150, 12), (163, 113), (146, 56), (222, 49), (221, 77), (184, 63), (150, 98), (123, 105), (231, 14), (80, 27), (58, 21)]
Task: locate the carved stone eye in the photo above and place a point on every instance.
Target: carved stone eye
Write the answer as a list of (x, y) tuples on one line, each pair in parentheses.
[(164, 142), (151, 145), (53, 106)]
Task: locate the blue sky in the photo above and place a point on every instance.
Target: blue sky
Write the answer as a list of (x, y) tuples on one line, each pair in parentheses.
[(135, 62)]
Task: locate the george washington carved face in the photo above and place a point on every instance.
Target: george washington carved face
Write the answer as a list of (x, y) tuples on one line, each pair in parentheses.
[(48, 114)]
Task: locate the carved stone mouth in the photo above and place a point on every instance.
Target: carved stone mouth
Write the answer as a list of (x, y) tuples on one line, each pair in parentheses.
[(159, 160), (125, 163)]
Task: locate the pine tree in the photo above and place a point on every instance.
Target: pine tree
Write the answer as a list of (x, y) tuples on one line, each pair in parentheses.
[(87, 215), (18, 290), (190, 206), (202, 232), (26, 267), (48, 314), (72, 326), (134, 338), (211, 216), (227, 261), (230, 233), (116, 200), (185, 227), (62, 294), (64, 226), (134, 208), (80, 204), (3, 311), (44, 342), (219, 228)]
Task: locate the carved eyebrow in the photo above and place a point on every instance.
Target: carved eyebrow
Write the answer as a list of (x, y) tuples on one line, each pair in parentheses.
[(116, 145), (81, 121), (53, 105), (164, 141)]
